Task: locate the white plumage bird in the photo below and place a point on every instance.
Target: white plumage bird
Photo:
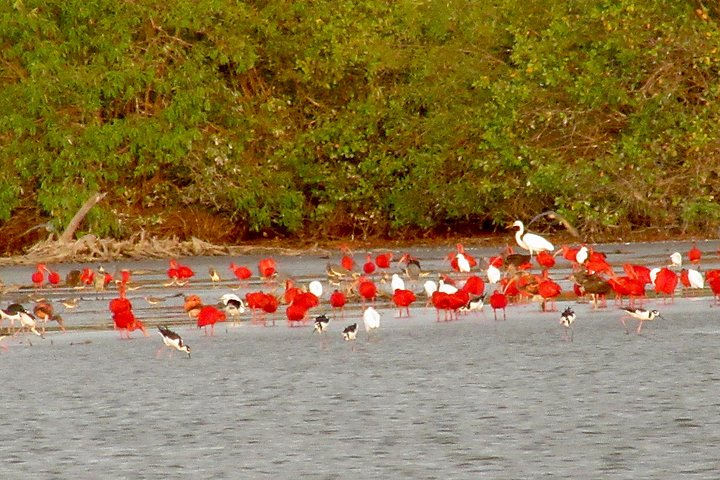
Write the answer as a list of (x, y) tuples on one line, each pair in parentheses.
[(316, 288), (530, 241), (463, 263), (493, 274), (371, 318), (234, 306), (396, 282)]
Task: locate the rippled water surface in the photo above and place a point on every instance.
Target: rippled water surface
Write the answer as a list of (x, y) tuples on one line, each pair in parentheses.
[(473, 398)]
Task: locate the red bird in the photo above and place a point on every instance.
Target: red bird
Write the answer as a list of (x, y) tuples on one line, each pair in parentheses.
[(53, 277), (338, 301), (179, 274), (638, 272), (240, 272), (87, 276), (123, 316), (457, 301), (383, 260), (38, 276), (474, 285), (665, 282), (441, 301), (267, 268), (290, 292), (545, 259), (369, 265), (403, 299), (295, 313), (712, 278), (347, 261), (694, 254), (367, 290), (498, 301), (549, 291), (209, 316)]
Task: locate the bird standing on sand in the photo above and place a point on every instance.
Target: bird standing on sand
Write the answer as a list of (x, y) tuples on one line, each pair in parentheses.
[(173, 340)]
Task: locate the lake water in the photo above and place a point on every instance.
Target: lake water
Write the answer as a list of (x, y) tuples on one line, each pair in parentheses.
[(473, 398)]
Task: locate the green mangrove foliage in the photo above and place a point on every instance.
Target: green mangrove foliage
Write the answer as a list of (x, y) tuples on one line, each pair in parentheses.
[(365, 117)]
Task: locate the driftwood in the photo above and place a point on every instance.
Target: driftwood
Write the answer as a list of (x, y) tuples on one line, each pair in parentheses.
[(72, 227), (89, 248)]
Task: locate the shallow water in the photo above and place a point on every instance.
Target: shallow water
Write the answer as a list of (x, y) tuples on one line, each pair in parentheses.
[(419, 399)]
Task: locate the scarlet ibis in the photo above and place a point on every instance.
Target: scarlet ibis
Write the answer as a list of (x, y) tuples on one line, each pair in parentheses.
[(209, 316), (38, 276), (714, 282), (498, 301), (458, 300), (290, 291), (321, 323), (474, 285), (241, 272), (234, 306), (530, 241), (192, 305), (383, 260), (267, 268), (123, 317), (441, 301), (369, 265), (347, 261), (295, 312), (694, 254), (367, 290), (371, 319), (639, 314), (179, 274), (567, 318), (53, 277), (403, 299), (87, 276), (350, 332), (45, 312), (665, 282), (338, 301), (173, 340), (549, 290), (545, 259)]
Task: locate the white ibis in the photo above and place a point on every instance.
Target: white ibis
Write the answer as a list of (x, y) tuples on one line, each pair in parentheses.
[(371, 318), (530, 241)]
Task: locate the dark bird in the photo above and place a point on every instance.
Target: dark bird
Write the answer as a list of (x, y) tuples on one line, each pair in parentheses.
[(350, 332), (173, 340), (321, 323)]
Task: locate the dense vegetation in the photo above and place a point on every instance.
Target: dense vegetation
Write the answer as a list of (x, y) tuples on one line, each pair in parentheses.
[(227, 119)]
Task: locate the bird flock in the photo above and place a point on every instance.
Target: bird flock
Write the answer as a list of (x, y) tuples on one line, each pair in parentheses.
[(461, 287)]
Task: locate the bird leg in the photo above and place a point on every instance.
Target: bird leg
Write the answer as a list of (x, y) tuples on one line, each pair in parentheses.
[(622, 320), (639, 327)]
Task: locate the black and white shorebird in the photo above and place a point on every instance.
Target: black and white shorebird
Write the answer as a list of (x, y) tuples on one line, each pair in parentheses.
[(640, 314), (350, 332), (567, 318), (474, 304), (15, 311), (321, 323), (173, 340)]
